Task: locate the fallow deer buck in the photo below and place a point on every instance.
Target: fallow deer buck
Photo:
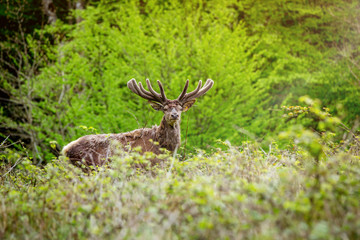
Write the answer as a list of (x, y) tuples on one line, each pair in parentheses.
[(96, 149)]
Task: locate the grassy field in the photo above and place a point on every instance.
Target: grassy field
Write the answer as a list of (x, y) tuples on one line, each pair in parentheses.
[(239, 193)]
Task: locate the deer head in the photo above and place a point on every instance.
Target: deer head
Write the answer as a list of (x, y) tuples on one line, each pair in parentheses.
[(172, 108)]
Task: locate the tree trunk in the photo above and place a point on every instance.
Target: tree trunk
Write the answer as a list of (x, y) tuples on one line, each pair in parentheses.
[(49, 10)]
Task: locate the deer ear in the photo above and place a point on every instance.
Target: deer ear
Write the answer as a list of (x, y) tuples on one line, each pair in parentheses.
[(156, 106), (188, 105)]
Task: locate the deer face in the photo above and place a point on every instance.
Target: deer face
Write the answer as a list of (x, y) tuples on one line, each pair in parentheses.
[(172, 109)]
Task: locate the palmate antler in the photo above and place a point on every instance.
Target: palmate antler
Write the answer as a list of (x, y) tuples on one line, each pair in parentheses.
[(198, 92), (152, 95)]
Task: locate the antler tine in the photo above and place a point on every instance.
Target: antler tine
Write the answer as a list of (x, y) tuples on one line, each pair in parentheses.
[(199, 92), (190, 94), (187, 96), (182, 94), (154, 93), (132, 85), (209, 83), (162, 91), (144, 91)]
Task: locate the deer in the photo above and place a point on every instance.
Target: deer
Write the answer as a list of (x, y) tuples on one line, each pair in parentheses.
[(96, 150)]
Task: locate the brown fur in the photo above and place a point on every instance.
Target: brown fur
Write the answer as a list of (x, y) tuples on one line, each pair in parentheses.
[(96, 150)]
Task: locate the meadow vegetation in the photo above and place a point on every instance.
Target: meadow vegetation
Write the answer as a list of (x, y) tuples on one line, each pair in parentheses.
[(309, 190)]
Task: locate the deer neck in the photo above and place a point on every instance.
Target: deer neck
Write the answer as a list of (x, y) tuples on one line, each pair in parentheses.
[(169, 136)]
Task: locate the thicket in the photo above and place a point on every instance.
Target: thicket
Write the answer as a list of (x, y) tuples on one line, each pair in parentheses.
[(69, 78), (309, 191)]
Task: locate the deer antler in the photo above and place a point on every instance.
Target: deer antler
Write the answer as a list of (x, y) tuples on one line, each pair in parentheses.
[(184, 97), (152, 95)]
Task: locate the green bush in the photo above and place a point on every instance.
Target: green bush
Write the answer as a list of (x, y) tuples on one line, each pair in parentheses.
[(243, 192), (120, 41)]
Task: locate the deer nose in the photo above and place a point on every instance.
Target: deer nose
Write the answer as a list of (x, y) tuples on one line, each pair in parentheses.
[(174, 115)]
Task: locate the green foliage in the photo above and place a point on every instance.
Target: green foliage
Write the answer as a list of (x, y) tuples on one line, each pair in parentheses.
[(261, 55), (243, 192), (68, 80), (325, 124), (116, 42)]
